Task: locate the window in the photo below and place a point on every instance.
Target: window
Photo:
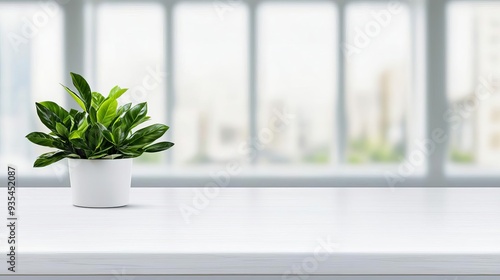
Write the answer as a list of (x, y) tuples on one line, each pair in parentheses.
[(474, 83), (296, 82), (316, 93), (211, 83), (130, 52), (378, 81), (31, 68)]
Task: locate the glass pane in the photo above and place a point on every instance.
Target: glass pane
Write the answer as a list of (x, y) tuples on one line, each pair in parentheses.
[(378, 81), (130, 52), (31, 68), (211, 83), (296, 82), (474, 82)]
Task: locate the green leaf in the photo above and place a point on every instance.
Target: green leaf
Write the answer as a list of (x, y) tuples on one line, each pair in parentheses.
[(113, 156), (78, 143), (59, 111), (109, 136), (75, 97), (41, 139), (107, 112), (64, 146), (48, 158), (73, 112), (118, 135), (78, 118), (116, 92), (146, 136), (92, 115), (47, 117), (97, 99), (100, 155), (83, 125), (158, 147), (144, 119), (73, 156), (122, 109), (62, 130), (105, 147), (93, 137), (83, 88), (68, 122), (134, 115), (75, 135), (130, 153), (80, 132)]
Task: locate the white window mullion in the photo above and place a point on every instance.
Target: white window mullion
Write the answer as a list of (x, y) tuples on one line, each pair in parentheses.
[(169, 67), (416, 103), (90, 29), (436, 99), (340, 116), (73, 41), (252, 73)]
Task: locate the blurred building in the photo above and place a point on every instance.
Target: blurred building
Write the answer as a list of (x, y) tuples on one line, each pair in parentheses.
[(478, 138), (381, 131), (15, 63), (487, 28)]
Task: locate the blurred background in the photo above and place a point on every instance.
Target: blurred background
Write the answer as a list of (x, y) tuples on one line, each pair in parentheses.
[(313, 93)]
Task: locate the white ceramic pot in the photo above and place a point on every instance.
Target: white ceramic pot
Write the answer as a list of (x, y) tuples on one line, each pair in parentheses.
[(100, 182)]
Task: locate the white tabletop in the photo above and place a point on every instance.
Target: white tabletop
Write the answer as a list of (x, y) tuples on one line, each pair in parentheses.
[(263, 231)]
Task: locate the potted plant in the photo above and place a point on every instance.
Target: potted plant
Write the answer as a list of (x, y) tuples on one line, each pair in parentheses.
[(100, 141)]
